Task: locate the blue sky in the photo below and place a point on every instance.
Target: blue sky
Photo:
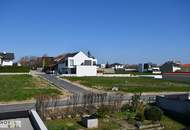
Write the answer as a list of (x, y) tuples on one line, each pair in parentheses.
[(126, 31)]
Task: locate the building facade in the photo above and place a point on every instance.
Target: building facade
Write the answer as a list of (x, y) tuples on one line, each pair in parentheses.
[(6, 59), (78, 64), (170, 66)]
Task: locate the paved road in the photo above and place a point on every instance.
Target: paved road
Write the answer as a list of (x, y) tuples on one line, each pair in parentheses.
[(64, 84)]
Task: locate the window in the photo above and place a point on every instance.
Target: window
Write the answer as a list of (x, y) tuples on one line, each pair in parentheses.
[(94, 62), (66, 63), (88, 62), (71, 62)]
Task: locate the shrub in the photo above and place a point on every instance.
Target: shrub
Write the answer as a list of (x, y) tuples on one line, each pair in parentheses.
[(153, 113), (71, 128), (126, 108), (103, 111), (14, 69), (139, 116), (135, 102)]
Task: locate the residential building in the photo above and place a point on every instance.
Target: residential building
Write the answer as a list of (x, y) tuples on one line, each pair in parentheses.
[(149, 67), (131, 68), (117, 66), (170, 66), (102, 66), (185, 67), (77, 63), (6, 59)]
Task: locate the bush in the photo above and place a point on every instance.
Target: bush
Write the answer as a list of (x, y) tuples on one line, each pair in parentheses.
[(14, 69), (153, 113), (135, 102), (139, 117), (103, 111), (126, 108)]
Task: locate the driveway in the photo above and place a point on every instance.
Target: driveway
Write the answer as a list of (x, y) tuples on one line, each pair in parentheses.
[(64, 84)]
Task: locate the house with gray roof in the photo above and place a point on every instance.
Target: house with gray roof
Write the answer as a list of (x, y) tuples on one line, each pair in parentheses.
[(6, 59), (76, 64)]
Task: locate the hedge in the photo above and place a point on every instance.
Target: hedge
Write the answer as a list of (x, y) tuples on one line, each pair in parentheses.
[(14, 69), (153, 113)]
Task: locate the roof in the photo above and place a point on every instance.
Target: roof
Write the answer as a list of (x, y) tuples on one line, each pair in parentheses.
[(62, 57), (114, 64), (171, 63), (185, 65), (7, 56)]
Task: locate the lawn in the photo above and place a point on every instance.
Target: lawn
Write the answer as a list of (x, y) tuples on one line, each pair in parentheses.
[(24, 87), (171, 124), (132, 84), (74, 124)]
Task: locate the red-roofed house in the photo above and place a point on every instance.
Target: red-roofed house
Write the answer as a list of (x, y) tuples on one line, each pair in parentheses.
[(185, 67)]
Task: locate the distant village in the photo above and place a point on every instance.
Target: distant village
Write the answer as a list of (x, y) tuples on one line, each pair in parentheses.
[(85, 64), (57, 70)]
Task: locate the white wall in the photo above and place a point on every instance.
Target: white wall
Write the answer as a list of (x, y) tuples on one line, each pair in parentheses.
[(79, 59), (86, 70), (7, 63), (175, 68), (81, 70)]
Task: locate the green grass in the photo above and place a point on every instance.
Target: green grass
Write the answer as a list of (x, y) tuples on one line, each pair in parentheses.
[(171, 124), (168, 123), (132, 84), (23, 87), (58, 124), (74, 124), (135, 73)]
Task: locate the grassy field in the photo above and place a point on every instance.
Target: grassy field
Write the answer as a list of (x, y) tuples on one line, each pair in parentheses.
[(74, 124), (132, 84), (171, 124), (24, 87)]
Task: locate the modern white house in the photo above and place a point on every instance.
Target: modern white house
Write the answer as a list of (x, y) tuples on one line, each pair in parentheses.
[(149, 67), (6, 59), (77, 64)]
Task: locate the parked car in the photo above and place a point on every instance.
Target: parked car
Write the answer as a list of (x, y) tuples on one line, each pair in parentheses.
[(50, 72)]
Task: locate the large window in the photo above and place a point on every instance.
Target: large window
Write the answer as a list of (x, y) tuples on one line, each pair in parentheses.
[(71, 62), (94, 62), (88, 62)]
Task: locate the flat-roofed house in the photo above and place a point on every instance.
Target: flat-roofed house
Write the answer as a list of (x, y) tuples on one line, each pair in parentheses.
[(6, 59)]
